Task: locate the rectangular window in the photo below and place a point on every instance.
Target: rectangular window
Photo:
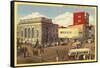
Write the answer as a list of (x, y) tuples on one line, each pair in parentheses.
[(21, 33), (79, 16)]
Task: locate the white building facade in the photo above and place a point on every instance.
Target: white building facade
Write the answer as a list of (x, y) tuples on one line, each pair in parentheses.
[(34, 30)]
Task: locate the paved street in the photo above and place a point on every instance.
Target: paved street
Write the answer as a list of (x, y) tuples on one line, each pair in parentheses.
[(52, 54)]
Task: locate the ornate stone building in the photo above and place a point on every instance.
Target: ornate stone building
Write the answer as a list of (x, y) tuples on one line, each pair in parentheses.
[(40, 30)]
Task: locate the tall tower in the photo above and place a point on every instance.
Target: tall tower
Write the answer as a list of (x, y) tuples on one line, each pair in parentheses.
[(81, 18)]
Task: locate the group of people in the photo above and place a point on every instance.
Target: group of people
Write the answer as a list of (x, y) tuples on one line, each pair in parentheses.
[(76, 44)]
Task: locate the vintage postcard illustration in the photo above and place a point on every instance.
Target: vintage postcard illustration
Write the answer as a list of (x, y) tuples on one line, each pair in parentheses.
[(51, 33)]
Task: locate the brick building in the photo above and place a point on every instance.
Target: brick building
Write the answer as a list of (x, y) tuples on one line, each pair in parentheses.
[(82, 18)]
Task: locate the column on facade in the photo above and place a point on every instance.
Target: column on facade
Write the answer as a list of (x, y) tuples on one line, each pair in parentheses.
[(31, 33), (21, 36), (28, 33), (25, 33)]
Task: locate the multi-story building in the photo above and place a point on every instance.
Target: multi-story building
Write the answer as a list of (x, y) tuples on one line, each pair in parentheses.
[(40, 30), (79, 29), (82, 18), (72, 31), (92, 32)]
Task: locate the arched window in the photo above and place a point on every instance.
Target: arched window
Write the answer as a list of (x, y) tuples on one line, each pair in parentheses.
[(32, 32), (29, 32), (25, 32)]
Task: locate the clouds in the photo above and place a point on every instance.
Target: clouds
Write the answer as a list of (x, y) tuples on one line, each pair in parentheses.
[(92, 20), (64, 19), (67, 19)]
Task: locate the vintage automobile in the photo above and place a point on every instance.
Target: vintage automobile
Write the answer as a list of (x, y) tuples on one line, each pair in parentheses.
[(80, 54)]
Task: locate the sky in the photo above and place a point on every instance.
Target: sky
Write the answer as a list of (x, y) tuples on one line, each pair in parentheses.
[(60, 15)]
